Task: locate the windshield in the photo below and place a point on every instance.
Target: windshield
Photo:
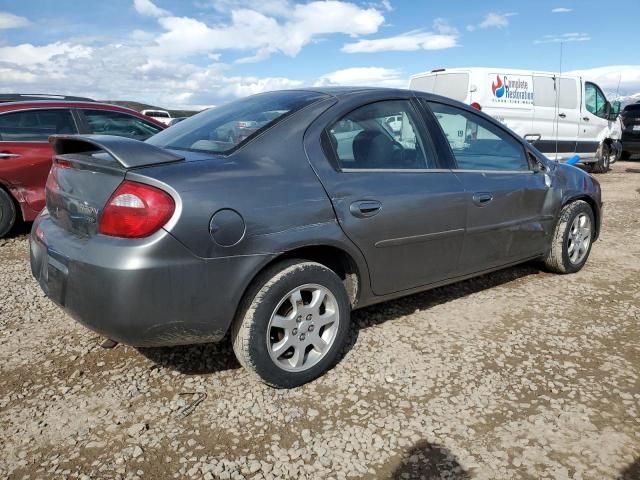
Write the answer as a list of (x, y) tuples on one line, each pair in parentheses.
[(223, 128)]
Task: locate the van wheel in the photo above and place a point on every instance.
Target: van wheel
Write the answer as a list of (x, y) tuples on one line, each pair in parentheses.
[(292, 324), (7, 213), (572, 239), (603, 155)]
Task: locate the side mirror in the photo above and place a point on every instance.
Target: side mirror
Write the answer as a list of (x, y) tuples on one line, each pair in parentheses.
[(532, 137), (615, 110), (610, 111)]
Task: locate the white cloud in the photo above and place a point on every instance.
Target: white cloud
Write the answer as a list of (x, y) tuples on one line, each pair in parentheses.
[(148, 8), (444, 36), (9, 20), (28, 54), (250, 29), (243, 86), (363, 76), (562, 10), (493, 20), (125, 72), (609, 76), (386, 4), (564, 37)]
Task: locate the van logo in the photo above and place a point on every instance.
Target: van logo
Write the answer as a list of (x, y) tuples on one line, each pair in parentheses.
[(512, 89), (498, 87)]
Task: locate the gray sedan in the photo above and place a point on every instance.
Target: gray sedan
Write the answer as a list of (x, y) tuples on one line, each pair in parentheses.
[(277, 236)]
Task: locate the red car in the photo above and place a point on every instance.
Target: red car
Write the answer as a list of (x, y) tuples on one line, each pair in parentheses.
[(25, 153)]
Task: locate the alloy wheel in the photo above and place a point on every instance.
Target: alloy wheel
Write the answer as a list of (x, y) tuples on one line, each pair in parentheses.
[(579, 238), (303, 327)]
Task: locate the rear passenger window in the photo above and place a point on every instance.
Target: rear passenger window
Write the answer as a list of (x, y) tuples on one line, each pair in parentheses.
[(476, 143), (106, 122), (380, 136), (35, 125)]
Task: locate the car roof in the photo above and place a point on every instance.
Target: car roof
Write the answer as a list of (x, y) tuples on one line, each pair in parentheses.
[(20, 97), (483, 70), (36, 104), (347, 90), (59, 103)]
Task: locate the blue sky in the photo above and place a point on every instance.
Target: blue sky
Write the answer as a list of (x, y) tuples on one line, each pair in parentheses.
[(204, 52)]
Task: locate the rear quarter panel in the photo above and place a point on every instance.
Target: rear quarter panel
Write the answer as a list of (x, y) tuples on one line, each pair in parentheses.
[(268, 182)]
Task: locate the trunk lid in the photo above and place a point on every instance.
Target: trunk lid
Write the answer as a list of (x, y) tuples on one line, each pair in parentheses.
[(87, 170)]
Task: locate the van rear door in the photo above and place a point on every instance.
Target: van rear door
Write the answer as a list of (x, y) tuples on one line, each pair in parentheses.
[(448, 84), (556, 114)]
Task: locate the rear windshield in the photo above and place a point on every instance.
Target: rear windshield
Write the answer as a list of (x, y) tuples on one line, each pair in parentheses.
[(154, 113), (631, 111), (221, 129)]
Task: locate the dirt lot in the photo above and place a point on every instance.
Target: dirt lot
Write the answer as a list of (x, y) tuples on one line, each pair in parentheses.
[(518, 374)]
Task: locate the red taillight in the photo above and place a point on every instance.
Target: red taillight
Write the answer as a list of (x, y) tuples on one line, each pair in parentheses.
[(476, 105), (136, 210)]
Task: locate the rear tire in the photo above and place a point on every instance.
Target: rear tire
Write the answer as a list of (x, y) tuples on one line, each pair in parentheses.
[(7, 213), (603, 161), (292, 323), (572, 239)]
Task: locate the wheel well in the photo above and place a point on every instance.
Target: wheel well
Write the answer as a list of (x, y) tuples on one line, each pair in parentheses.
[(16, 204), (333, 258)]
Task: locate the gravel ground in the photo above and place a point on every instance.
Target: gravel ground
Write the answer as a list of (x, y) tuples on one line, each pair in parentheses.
[(517, 374)]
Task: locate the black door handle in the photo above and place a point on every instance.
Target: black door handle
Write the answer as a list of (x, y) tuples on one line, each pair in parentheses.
[(586, 119), (365, 208), (482, 198), (562, 115)]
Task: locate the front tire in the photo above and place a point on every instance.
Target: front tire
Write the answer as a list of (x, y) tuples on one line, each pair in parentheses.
[(7, 213), (292, 324), (603, 161), (572, 239)]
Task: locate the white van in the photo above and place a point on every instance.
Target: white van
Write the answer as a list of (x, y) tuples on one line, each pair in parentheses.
[(159, 115), (560, 116)]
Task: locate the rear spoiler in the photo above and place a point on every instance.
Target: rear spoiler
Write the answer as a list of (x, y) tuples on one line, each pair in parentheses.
[(127, 152)]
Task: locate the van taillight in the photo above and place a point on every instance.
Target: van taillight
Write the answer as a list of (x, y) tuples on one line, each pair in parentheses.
[(136, 210), (476, 105)]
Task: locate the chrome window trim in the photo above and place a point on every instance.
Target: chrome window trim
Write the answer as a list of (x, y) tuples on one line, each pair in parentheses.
[(395, 170), (513, 172)]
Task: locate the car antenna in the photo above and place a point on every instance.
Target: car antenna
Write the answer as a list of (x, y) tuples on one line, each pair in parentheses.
[(558, 99)]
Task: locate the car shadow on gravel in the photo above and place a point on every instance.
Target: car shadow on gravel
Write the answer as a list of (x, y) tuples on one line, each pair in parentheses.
[(19, 230), (209, 358), (380, 313), (206, 358), (632, 472), (426, 460)]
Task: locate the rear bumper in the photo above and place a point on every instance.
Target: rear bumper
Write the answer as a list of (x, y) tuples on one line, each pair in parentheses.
[(148, 292)]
